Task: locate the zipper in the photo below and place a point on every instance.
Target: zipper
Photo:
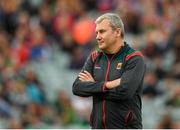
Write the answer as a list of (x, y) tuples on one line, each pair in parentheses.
[(104, 101)]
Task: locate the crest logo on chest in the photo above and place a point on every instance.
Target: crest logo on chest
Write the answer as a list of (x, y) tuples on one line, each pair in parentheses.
[(119, 65)]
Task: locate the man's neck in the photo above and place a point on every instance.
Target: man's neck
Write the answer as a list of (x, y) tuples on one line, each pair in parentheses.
[(116, 47)]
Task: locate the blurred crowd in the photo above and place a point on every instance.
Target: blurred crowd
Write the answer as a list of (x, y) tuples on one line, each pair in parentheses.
[(29, 29)]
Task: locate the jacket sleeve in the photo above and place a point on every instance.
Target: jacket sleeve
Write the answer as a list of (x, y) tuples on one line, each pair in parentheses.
[(131, 80), (86, 89)]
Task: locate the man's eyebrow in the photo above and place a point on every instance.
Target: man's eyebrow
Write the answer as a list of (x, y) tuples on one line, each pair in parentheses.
[(100, 30)]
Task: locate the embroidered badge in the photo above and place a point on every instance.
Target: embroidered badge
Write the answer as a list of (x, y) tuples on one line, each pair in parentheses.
[(119, 65), (97, 67)]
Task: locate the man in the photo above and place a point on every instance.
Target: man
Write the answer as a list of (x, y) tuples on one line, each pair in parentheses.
[(113, 77)]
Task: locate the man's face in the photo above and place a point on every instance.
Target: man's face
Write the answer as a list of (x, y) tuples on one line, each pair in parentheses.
[(105, 36)]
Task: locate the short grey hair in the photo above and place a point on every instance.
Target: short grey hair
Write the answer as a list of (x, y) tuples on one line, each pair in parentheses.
[(114, 20)]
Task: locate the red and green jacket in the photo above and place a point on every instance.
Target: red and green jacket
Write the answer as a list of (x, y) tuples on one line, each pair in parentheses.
[(119, 107)]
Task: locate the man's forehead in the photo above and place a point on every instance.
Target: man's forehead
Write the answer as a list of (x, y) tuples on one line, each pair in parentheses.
[(103, 24), (104, 21)]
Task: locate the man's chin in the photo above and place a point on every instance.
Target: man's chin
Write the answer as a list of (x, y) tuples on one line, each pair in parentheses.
[(101, 47)]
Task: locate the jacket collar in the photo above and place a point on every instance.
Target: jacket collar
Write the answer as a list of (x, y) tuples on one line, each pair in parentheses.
[(121, 50)]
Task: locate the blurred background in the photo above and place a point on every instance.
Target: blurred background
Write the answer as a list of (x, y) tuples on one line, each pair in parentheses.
[(44, 44)]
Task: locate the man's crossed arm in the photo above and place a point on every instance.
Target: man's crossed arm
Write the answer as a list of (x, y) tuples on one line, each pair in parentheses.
[(85, 76)]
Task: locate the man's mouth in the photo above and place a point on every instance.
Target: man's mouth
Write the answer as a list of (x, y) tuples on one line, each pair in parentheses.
[(101, 42)]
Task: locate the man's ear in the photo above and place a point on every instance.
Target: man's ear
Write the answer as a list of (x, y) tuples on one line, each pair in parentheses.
[(118, 31)]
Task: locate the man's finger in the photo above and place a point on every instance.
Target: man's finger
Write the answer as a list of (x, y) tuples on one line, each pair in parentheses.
[(83, 75), (81, 79), (87, 73)]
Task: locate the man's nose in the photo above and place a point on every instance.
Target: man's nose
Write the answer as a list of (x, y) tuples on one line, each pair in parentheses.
[(98, 36)]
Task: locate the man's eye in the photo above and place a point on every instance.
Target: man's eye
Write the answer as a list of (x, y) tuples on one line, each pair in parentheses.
[(101, 31)]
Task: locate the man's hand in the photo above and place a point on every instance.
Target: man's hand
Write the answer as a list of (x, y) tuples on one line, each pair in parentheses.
[(113, 83), (85, 76)]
